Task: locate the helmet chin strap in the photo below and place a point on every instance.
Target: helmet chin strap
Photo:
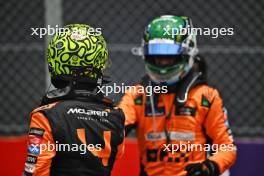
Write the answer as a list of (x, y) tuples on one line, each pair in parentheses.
[(182, 101)]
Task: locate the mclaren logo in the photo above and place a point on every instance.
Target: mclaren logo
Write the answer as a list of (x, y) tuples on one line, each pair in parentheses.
[(87, 112)]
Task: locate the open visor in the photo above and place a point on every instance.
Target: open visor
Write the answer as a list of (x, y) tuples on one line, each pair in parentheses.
[(162, 49)]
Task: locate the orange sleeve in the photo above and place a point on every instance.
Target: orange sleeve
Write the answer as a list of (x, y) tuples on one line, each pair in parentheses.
[(127, 104), (216, 126), (41, 146)]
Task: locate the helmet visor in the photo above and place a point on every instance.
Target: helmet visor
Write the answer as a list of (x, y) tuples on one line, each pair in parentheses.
[(162, 49)]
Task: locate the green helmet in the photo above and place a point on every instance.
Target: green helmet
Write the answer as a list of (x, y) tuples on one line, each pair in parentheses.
[(76, 51), (169, 37)]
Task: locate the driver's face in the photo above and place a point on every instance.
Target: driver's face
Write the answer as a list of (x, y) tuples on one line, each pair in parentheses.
[(163, 61)]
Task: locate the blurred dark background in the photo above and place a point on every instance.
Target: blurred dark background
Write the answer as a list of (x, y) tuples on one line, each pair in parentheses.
[(235, 62)]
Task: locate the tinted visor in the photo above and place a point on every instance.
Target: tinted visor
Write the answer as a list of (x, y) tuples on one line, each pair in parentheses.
[(162, 49), (166, 60)]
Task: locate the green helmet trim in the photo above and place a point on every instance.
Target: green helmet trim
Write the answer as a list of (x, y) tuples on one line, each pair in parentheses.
[(162, 28), (166, 30), (163, 37)]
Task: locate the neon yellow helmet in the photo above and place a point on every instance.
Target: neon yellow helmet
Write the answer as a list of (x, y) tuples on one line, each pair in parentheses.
[(76, 51)]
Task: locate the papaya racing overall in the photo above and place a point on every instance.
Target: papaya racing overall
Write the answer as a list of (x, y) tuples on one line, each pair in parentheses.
[(191, 113)]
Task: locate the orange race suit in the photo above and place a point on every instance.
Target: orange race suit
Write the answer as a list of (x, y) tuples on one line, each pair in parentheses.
[(74, 134), (189, 113)]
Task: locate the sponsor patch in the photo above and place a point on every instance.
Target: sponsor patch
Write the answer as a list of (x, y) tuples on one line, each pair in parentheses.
[(78, 36), (33, 139), (30, 168), (159, 111), (138, 100), (33, 149), (27, 174), (226, 117), (186, 111), (174, 135), (36, 131), (227, 124), (87, 112), (31, 159), (205, 102)]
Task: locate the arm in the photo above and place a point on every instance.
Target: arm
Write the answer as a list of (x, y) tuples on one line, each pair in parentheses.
[(216, 126), (127, 104), (121, 147), (38, 161)]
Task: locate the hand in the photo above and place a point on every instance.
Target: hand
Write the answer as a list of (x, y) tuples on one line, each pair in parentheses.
[(206, 168)]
